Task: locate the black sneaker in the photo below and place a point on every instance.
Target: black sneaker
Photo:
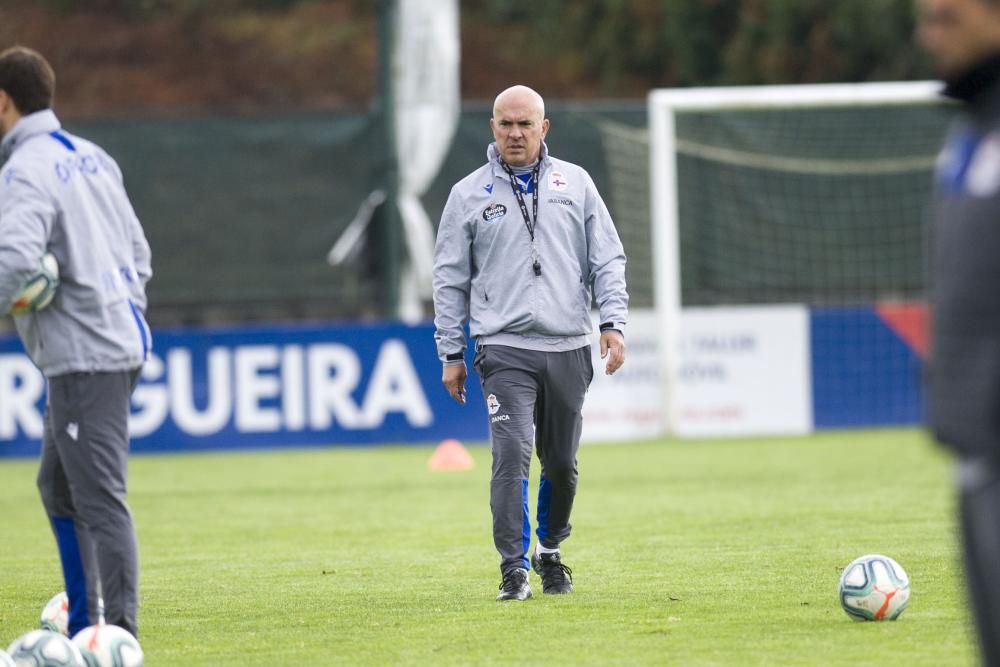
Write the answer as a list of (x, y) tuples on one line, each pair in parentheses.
[(515, 585), (556, 577)]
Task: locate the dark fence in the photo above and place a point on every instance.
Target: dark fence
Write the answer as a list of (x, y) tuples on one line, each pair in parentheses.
[(241, 212)]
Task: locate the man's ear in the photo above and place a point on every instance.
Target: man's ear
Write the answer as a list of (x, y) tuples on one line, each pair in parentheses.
[(7, 103)]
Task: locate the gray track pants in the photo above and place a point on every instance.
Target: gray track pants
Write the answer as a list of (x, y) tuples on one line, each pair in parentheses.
[(82, 483), (532, 398), (979, 484)]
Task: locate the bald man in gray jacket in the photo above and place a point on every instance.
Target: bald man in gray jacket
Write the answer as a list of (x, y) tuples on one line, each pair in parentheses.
[(62, 194), (524, 242)]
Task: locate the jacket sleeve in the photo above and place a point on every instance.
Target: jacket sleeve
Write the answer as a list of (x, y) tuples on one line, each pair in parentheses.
[(452, 278), (606, 260), (26, 217)]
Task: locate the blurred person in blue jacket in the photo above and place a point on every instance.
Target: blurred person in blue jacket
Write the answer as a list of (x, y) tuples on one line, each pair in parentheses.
[(963, 40)]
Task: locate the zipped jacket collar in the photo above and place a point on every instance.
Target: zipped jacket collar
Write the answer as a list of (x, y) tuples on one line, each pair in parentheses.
[(33, 124), (493, 158)]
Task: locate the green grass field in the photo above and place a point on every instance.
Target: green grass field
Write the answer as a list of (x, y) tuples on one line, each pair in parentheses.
[(693, 553)]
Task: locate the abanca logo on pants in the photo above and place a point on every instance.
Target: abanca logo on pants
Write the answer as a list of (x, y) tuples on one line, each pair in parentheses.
[(493, 405)]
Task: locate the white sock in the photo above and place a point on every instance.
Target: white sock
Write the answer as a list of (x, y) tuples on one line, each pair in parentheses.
[(539, 549)]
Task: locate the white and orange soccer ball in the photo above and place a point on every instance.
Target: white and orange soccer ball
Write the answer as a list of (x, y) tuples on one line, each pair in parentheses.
[(43, 647), (874, 588), (40, 289), (108, 646), (55, 614)]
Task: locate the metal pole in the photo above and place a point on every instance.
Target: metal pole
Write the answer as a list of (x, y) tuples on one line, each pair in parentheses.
[(389, 218)]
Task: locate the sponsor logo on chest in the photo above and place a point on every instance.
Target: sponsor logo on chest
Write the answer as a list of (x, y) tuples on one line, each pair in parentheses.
[(494, 212)]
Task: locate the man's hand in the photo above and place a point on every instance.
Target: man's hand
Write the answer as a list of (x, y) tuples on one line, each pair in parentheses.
[(453, 378), (612, 349)]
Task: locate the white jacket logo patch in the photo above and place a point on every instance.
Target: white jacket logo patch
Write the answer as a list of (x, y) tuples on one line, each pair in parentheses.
[(494, 212), (557, 181), (493, 404)]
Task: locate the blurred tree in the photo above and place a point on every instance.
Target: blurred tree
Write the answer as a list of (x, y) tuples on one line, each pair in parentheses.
[(142, 9), (248, 55), (618, 43), (696, 34), (800, 41)]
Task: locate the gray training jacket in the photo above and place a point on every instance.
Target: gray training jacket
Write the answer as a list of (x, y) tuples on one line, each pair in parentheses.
[(483, 263), (63, 194)]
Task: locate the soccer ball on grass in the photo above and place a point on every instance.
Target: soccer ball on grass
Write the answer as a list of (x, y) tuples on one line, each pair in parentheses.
[(43, 648), (55, 614), (874, 588), (108, 646)]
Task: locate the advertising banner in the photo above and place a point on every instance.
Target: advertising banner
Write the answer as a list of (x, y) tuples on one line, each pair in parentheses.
[(868, 364), (744, 370), (268, 386), (629, 404)]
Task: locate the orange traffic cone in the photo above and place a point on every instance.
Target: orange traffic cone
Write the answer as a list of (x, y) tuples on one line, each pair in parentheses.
[(450, 455)]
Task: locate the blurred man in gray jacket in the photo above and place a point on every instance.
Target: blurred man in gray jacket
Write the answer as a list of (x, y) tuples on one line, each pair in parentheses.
[(963, 39), (62, 194), (523, 243)]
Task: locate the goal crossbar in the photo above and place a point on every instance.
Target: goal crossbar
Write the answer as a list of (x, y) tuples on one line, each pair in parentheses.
[(816, 95)]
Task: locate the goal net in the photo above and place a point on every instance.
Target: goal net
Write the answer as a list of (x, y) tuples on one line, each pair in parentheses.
[(739, 199)]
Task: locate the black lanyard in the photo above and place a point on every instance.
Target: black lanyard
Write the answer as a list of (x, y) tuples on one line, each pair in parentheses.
[(529, 221)]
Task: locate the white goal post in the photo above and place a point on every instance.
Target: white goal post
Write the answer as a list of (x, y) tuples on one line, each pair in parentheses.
[(666, 106)]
